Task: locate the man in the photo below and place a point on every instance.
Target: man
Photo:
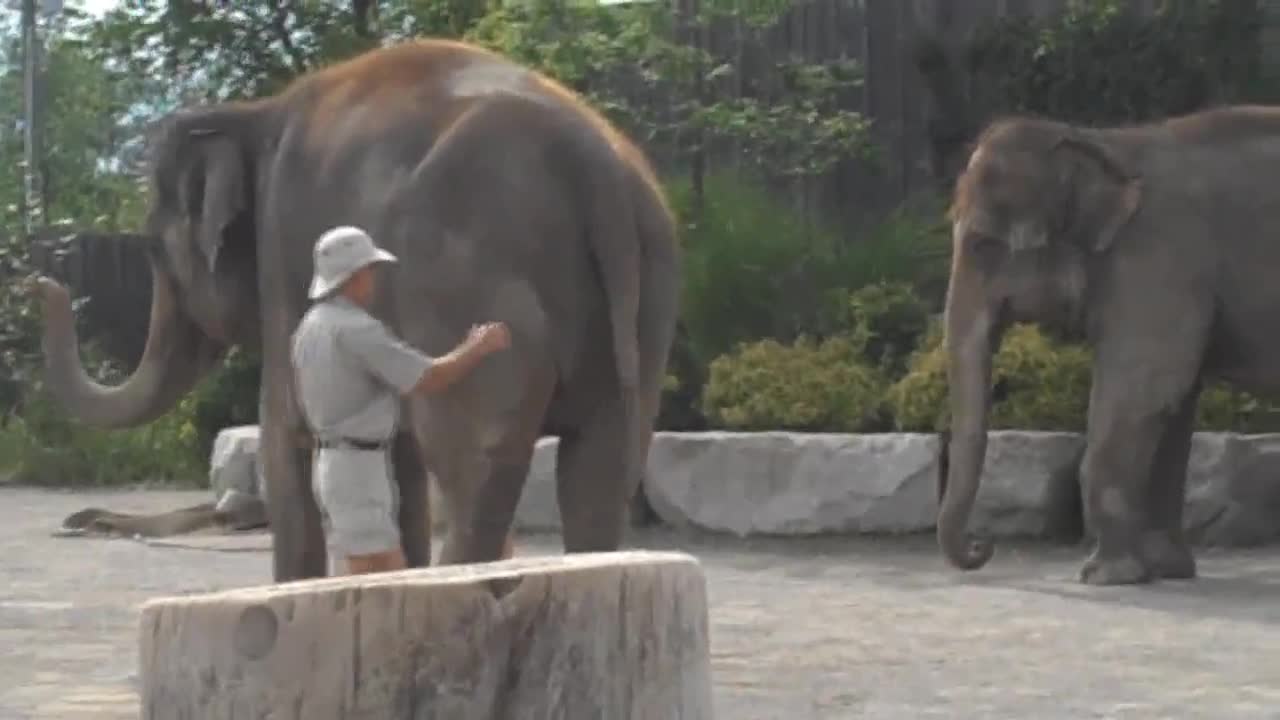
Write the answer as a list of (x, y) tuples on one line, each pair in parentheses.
[(351, 372)]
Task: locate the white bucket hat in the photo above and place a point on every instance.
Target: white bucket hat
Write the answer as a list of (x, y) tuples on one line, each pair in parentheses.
[(339, 252)]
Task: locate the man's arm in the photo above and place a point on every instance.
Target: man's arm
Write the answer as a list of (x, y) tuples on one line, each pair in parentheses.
[(410, 371)]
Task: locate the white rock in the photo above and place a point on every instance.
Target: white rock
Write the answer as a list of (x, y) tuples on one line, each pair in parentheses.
[(793, 483), (607, 635), (1233, 489), (233, 463), (1030, 485), (809, 483)]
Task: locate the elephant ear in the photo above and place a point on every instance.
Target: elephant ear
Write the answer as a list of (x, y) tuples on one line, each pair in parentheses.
[(217, 190), (1100, 194)]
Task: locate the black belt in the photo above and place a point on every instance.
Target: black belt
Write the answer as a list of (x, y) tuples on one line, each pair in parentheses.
[(352, 444)]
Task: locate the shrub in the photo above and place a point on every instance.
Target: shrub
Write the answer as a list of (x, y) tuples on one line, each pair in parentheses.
[(1224, 409), (754, 268), (886, 318), (809, 385), (45, 447), (229, 396), (1039, 384)]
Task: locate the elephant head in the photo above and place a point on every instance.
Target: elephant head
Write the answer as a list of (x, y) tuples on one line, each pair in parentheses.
[(1034, 212), (201, 245)]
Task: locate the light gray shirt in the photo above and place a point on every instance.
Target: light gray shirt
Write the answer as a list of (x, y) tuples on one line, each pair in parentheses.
[(351, 371)]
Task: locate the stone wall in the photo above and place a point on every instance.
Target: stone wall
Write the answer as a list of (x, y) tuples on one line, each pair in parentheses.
[(779, 483)]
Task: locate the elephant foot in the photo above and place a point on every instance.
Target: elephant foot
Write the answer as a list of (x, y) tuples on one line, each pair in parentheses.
[(1121, 570), (1168, 558)]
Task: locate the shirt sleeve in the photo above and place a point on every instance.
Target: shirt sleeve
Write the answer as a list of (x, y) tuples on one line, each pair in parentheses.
[(386, 356)]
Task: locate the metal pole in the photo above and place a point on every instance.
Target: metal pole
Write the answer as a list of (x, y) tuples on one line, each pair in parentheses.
[(30, 148)]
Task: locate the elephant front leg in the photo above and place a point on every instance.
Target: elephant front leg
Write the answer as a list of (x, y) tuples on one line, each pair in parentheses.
[(1115, 474), (298, 544), (1164, 544)]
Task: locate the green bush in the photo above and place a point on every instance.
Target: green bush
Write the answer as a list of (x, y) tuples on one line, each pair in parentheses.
[(809, 385), (1039, 384), (886, 318), (229, 396), (1224, 409), (755, 268), (43, 446)]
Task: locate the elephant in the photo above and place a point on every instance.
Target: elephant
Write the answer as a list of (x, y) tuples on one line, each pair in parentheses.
[(1156, 244), (504, 195)]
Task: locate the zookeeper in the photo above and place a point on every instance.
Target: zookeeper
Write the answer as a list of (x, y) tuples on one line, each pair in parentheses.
[(351, 372)]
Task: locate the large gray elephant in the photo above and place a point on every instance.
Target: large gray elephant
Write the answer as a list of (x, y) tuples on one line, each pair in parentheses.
[(505, 198), (1160, 245)]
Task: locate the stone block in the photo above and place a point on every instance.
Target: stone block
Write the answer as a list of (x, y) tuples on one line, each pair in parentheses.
[(233, 464), (604, 635), (779, 483), (1233, 489)]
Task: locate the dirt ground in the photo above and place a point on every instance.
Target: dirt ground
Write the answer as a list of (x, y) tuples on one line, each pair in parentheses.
[(826, 628)]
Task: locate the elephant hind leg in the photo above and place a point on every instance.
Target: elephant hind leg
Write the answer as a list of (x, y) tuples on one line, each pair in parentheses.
[(480, 527), (1164, 544), (593, 482), (480, 486)]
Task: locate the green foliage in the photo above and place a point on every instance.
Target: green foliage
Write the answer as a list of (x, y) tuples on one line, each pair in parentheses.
[(756, 269), (43, 446), (887, 319), (228, 397), (1102, 61), (1040, 384), (1224, 409), (751, 269), (634, 64), (808, 385), (836, 383)]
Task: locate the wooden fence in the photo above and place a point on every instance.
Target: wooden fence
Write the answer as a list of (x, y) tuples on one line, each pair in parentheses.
[(112, 273)]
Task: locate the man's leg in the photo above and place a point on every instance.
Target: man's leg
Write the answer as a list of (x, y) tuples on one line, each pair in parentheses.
[(361, 504)]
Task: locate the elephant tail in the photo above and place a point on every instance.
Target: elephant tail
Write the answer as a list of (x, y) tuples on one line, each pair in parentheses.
[(614, 238)]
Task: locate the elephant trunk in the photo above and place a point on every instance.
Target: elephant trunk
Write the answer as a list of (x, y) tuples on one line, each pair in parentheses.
[(971, 334), (177, 354)]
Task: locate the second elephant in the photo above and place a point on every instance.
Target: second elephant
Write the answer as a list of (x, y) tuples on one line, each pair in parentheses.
[(1160, 245)]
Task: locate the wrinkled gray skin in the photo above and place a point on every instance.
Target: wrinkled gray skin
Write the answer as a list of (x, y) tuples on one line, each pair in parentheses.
[(1160, 244), (504, 198)]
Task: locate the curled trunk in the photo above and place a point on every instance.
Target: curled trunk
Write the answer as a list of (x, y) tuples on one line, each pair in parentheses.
[(970, 339), (177, 354)]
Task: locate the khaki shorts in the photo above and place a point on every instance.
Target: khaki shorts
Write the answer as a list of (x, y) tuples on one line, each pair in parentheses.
[(358, 500)]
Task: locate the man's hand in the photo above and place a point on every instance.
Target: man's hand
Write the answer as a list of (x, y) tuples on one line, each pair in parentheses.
[(448, 369), (489, 337)]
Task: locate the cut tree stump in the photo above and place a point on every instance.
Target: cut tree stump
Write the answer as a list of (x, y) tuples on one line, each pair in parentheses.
[(609, 636)]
